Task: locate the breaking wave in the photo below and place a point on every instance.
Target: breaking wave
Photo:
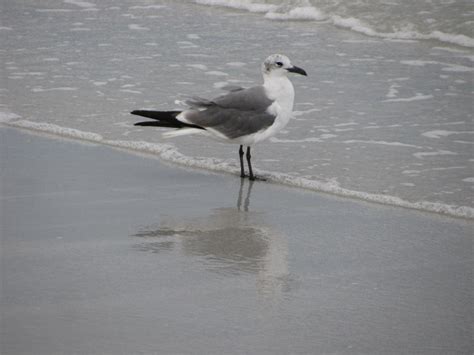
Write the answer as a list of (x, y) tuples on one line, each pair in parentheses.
[(404, 20)]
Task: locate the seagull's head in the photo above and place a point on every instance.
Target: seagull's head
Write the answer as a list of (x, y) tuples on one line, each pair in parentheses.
[(279, 65)]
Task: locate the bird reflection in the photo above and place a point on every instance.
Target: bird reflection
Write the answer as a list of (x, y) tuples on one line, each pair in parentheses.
[(229, 241), (247, 197)]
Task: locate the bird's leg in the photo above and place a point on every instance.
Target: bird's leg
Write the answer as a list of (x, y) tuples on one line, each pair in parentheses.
[(241, 155), (251, 176)]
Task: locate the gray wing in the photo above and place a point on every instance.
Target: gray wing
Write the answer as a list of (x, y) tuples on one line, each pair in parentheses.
[(234, 115), (231, 88), (252, 99), (231, 122)]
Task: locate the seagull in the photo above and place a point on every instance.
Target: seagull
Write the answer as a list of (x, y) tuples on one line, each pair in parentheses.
[(242, 116)]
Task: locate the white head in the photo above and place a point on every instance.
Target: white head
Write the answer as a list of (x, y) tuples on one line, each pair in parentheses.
[(279, 65)]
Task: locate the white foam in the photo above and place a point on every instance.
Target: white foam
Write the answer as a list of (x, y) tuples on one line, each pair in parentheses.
[(306, 13), (458, 39), (169, 153), (197, 66), (358, 26), (449, 67), (304, 140), (417, 172), (136, 27), (54, 89), (8, 116), (398, 40), (334, 188), (78, 29), (305, 112), (449, 49), (442, 133), (131, 91), (147, 7), (457, 68), (299, 13), (421, 155), (464, 142), (353, 24), (418, 63), (31, 73), (217, 73), (392, 91), (220, 85), (343, 129), (236, 64), (392, 144), (240, 5), (327, 136), (55, 129), (417, 97), (80, 3), (53, 10), (186, 45)]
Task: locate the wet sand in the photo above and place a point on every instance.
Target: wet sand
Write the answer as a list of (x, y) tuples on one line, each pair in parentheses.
[(110, 252)]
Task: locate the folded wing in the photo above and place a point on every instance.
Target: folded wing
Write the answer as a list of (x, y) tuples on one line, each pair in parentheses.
[(239, 113)]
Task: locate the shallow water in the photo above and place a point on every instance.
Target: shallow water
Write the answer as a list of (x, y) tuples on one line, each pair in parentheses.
[(382, 119)]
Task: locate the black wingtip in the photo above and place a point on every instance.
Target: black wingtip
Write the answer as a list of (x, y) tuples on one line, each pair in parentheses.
[(149, 123), (144, 112)]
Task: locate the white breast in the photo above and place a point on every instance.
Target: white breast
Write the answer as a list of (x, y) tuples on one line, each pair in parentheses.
[(281, 91)]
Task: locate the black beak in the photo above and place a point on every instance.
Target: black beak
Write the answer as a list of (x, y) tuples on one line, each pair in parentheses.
[(297, 70)]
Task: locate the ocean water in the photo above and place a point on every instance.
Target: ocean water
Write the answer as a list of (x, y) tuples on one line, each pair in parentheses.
[(445, 20), (384, 115)]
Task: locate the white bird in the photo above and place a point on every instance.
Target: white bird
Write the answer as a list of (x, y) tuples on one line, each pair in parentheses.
[(243, 116)]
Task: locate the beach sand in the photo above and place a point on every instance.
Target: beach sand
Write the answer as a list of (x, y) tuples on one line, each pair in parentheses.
[(110, 252)]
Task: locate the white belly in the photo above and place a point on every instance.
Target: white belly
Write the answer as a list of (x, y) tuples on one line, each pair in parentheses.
[(280, 122)]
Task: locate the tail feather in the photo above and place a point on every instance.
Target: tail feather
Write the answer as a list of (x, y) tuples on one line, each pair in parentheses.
[(162, 119), (157, 124), (157, 115), (181, 132)]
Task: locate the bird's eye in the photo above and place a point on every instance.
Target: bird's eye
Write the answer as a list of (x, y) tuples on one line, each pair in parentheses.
[(280, 64)]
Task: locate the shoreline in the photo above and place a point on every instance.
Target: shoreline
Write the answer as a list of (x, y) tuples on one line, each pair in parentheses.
[(169, 154)]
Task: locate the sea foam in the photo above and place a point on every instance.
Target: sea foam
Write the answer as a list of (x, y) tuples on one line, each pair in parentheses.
[(286, 11), (169, 153), (79, 3), (359, 26), (240, 5), (299, 13)]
